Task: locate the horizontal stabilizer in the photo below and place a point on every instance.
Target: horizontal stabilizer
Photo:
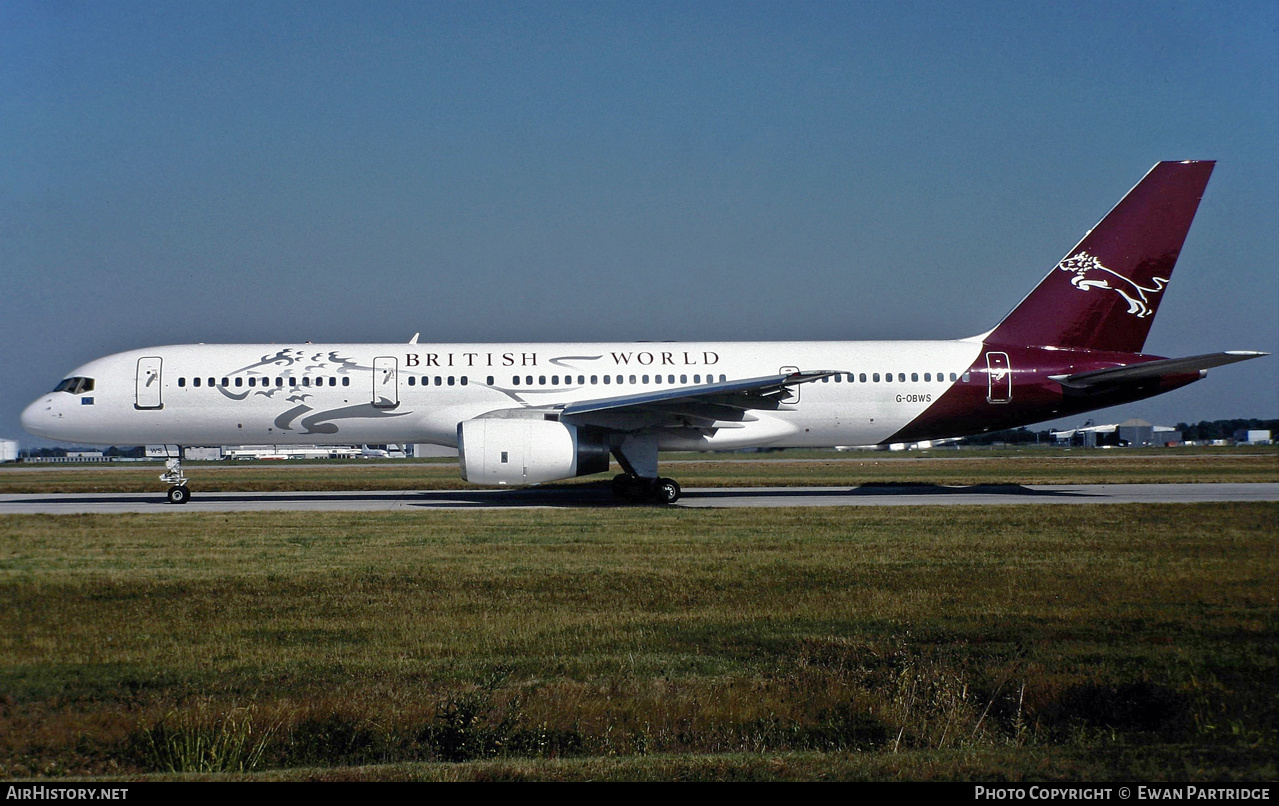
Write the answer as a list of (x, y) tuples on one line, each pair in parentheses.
[(1152, 369)]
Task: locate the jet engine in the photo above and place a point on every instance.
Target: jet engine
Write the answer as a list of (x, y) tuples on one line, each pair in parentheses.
[(526, 451)]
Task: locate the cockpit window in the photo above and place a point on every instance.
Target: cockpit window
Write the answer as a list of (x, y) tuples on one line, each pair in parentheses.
[(75, 386)]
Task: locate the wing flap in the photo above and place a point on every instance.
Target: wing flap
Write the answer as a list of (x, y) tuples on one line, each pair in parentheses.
[(724, 401)]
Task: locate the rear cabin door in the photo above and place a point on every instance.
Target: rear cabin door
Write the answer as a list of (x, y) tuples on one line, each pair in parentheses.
[(793, 397), (386, 390), (999, 378), (148, 383)]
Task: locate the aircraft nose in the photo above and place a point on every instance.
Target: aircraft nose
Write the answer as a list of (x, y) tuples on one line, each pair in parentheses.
[(40, 416)]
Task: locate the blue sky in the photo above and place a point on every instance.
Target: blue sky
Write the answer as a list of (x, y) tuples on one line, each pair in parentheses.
[(352, 171)]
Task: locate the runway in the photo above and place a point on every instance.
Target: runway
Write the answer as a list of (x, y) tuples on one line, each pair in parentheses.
[(897, 495)]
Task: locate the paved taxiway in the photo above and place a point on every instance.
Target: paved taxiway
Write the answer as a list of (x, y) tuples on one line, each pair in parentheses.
[(917, 495)]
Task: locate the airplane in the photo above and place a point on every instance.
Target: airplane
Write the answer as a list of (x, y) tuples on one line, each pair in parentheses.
[(525, 414)]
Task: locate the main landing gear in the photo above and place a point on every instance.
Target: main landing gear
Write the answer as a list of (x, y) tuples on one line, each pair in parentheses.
[(179, 492), (641, 490), (637, 454)]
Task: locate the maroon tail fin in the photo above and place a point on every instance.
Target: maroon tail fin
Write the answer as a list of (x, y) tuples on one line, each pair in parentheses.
[(1104, 294)]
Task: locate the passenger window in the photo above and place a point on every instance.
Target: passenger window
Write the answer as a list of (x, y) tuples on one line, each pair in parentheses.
[(594, 378), (862, 377), (195, 381), (490, 380), (279, 383), (645, 379), (876, 377), (914, 377), (838, 379), (927, 377), (182, 381), (450, 380), (515, 380), (632, 379), (239, 381), (901, 377), (464, 380), (608, 379), (683, 379), (412, 381), (888, 377)]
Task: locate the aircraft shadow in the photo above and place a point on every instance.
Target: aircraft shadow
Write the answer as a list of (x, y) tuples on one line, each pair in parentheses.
[(592, 496), (569, 496), (891, 491)]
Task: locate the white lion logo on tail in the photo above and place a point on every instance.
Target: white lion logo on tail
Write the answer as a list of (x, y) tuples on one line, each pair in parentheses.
[(1089, 274)]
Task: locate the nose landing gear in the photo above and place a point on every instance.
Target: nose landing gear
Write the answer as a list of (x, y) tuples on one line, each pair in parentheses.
[(179, 492)]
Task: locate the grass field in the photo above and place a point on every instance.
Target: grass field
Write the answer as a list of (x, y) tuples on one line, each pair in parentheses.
[(1099, 643), (788, 468)]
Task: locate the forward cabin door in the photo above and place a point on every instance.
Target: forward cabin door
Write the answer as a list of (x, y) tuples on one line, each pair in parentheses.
[(148, 383), (386, 389), (999, 378)]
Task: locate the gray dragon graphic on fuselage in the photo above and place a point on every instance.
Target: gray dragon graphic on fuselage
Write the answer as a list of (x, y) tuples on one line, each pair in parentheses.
[(292, 362)]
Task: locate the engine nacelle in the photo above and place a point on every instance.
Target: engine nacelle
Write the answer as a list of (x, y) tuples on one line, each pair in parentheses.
[(526, 451)]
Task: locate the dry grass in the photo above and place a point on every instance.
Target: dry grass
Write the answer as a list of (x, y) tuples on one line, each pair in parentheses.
[(405, 638)]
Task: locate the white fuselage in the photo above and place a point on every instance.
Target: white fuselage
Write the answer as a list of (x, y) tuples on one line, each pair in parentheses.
[(397, 393)]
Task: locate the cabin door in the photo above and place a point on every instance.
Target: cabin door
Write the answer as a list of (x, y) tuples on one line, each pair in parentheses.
[(148, 383), (386, 390), (793, 397), (999, 378)]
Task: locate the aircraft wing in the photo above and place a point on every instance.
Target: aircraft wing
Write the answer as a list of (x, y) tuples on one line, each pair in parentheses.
[(1152, 369), (721, 404), (718, 404)]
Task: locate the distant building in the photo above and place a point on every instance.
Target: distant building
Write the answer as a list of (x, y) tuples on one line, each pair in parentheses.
[(426, 449), (216, 453), (1132, 433), (8, 450), (291, 452), (1246, 436)]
